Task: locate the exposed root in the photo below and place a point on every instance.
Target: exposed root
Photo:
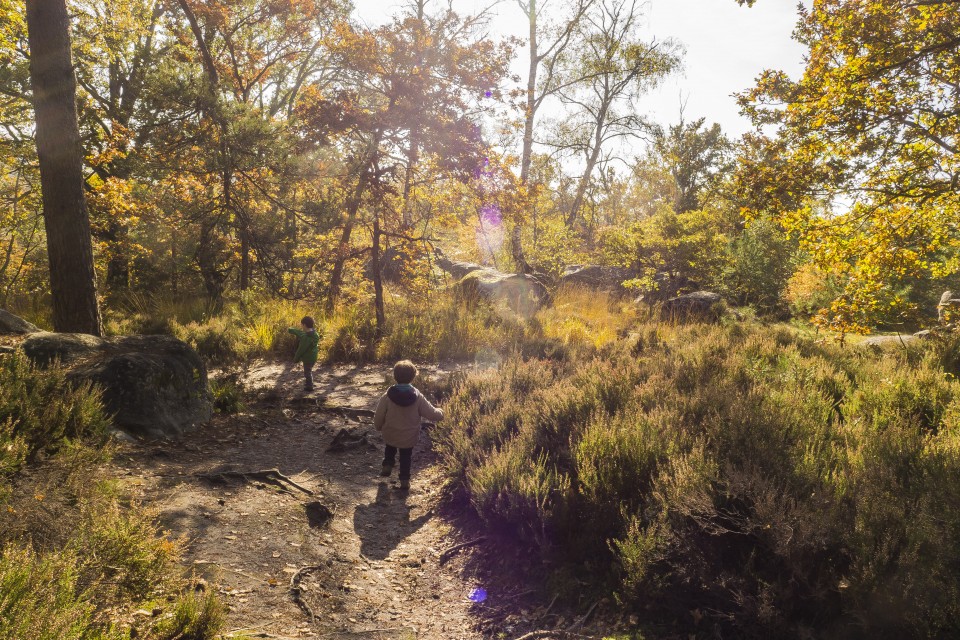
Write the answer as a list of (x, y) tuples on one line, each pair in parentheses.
[(296, 592), (447, 554), (579, 623), (541, 635), (346, 440), (271, 476)]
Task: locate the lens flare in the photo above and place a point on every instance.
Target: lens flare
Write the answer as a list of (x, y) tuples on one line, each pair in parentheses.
[(477, 595)]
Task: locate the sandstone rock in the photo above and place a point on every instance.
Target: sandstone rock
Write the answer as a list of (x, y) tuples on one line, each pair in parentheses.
[(45, 347), (885, 341), (699, 305), (459, 269), (154, 386), (596, 277), (11, 324), (524, 294)]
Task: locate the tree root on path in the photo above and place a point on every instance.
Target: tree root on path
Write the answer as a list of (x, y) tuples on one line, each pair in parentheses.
[(345, 440), (296, 592), (542, 635), (271, 476), (447, 554)]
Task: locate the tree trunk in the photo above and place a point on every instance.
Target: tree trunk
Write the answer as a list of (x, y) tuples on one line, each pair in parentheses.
[(588, 170), (72, 275), (413, 159), (526, 157), (377, 278), (244, 259), (353, 208)]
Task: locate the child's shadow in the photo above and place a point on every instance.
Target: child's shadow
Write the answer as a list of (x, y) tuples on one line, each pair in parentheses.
[(385, 523)]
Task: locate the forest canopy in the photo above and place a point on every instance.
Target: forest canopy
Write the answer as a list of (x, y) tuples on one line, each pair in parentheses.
[(285, 148)]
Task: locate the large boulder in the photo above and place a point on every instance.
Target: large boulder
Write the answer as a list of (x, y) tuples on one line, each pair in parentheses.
[(524, 294), (699, 305), (44, 348), (521, 292), (596, 277), (459, 269), (11, 324), (154, 386), (885, 341)]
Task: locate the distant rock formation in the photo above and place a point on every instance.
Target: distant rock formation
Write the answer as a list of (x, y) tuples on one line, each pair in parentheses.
[(699, 305), (596, 277), (11, 324), (521, 292)]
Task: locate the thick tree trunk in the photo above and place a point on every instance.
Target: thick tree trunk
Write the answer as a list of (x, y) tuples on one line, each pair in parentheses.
[(72, 276)]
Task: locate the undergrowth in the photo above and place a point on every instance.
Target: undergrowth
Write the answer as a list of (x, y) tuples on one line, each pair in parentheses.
[(445, 327), (76, 557), (772, 485)]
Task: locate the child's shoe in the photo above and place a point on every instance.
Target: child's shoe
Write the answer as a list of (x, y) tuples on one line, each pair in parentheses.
[(386, 469)]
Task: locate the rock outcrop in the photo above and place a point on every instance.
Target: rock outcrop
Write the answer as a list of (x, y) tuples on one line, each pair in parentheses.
[(596, 277), (524, 294), (699, 305), (11, 324), (154, 386)]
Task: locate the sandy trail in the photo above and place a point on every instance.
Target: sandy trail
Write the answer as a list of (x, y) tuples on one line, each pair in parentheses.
[(373, 551)]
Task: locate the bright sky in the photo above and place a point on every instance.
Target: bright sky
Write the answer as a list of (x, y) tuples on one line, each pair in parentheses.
[(727, 46)]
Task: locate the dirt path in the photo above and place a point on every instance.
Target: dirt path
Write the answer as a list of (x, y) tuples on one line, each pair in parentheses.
[(372, 551)]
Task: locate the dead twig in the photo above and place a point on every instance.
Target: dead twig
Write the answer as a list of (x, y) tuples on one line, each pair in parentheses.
[(448, 553), (579, 623), (552, 602), (296, 591), (271, 476), (540, 635)]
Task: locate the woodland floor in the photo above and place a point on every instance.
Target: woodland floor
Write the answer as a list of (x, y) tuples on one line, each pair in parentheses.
[(374, 553)]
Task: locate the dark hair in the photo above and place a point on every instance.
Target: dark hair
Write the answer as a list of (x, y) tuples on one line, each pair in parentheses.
[(404, 372), (307, 322)]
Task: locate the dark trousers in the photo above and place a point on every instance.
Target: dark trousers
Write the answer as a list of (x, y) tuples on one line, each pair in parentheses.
[(406, 455), (308, 374)]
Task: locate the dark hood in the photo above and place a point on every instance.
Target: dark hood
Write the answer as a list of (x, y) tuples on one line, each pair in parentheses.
[(403, 397)]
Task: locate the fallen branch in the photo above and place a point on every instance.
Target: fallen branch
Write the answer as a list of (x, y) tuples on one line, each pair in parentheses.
[(552, 602), (582, 620), (447, 554), (297, 592), (540, 635), (272, 476)]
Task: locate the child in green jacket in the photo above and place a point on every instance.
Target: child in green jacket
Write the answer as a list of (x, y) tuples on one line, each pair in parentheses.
[(307, 348)]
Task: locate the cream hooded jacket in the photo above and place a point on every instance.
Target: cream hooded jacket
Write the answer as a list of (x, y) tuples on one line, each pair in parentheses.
[(399, 413)]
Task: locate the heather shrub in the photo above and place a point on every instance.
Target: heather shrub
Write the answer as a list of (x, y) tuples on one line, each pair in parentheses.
[(773, 484), (40, 411)]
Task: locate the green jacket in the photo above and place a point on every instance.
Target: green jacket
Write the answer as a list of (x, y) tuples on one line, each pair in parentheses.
[(308, 348)]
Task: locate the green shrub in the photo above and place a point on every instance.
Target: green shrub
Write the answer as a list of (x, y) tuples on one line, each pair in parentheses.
[(40, 411), (747, 472), (40, 598), (195, 616), (227, 391)]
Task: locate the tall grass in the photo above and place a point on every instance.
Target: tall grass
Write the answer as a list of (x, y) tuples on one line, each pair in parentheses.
[(441, 327), (770, 483)]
